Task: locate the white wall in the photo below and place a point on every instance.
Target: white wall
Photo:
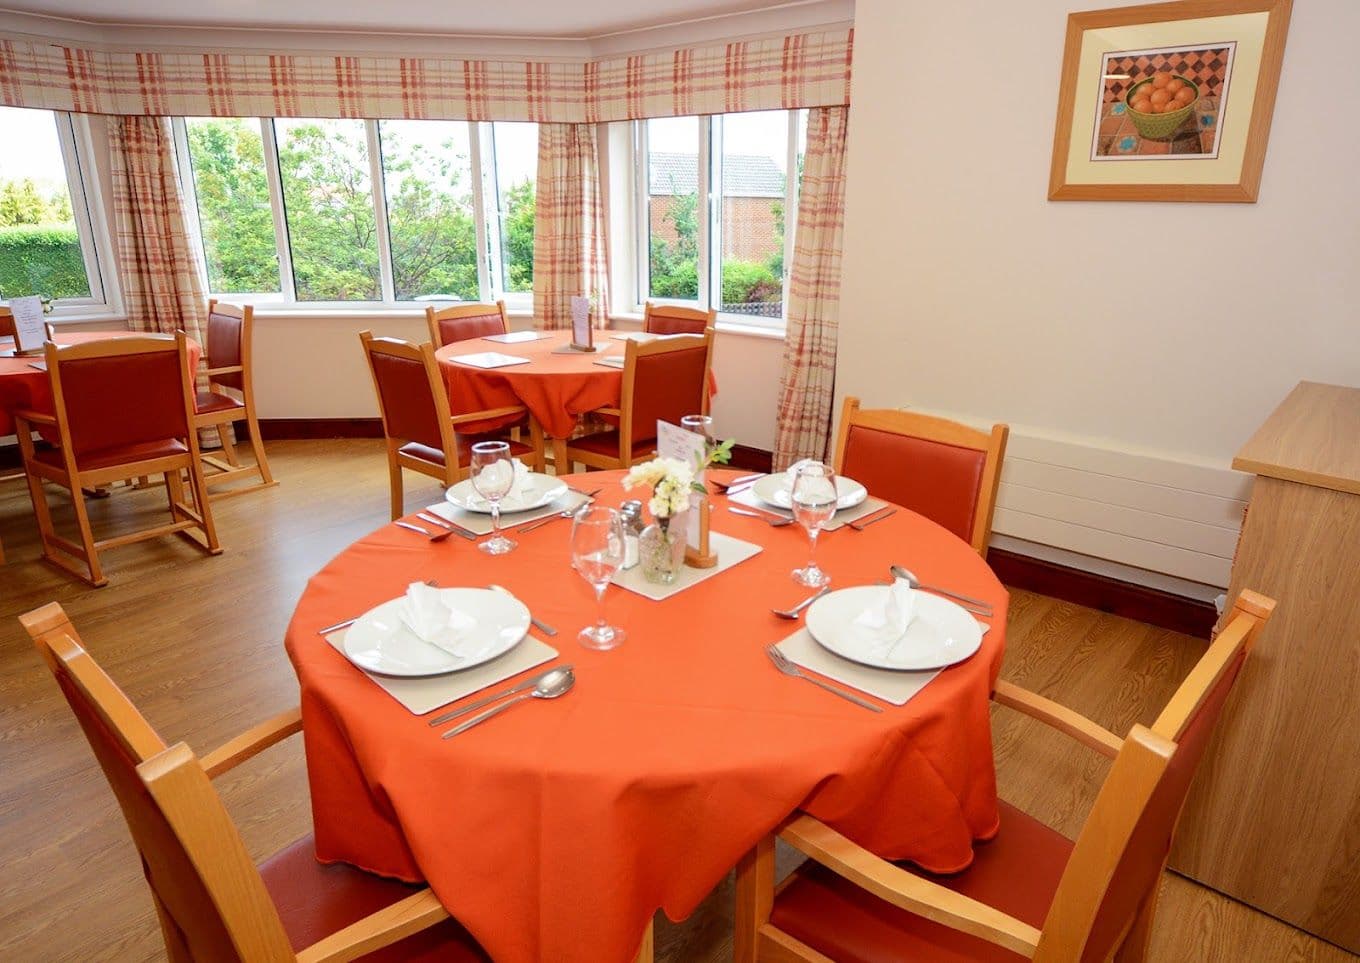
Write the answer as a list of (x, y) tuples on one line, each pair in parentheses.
[(966, 291)]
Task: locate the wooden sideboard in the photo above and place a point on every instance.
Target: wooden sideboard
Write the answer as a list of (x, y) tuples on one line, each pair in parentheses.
[(1274, 817)]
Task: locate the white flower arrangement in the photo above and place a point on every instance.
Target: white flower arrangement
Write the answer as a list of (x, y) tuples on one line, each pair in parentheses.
[(671, 481)]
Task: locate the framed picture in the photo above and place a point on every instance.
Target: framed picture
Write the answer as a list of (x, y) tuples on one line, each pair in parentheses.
[(1168, 101)]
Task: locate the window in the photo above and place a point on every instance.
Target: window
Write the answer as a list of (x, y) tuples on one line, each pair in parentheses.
[(715, 208), (345, 211), (48, 245)]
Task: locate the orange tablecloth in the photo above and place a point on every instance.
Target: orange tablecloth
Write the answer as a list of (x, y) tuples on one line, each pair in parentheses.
[(23, 386), (556, 388), (554, 832)]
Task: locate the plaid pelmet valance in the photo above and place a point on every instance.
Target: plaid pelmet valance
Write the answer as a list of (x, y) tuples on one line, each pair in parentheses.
[(808, 69)]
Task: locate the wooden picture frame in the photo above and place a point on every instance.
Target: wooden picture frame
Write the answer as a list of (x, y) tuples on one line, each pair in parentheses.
[(1226, 56)]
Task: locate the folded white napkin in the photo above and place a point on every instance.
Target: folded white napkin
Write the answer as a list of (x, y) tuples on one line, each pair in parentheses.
[(792, 471), (424, 613), (496, 472), (885, 622)]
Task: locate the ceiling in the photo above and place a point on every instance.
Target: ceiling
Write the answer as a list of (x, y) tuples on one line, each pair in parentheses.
[(557, 19)]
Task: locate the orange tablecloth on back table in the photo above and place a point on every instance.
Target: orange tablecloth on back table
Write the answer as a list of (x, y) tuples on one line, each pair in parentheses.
[(555, 831), (23, 386)]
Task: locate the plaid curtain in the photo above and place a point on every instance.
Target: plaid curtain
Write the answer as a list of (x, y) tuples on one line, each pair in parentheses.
[(570, 249), (162, 282), (808, 381), (806, 69)]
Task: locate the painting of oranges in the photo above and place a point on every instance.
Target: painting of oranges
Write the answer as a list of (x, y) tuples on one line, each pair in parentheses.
[(1162, 103)]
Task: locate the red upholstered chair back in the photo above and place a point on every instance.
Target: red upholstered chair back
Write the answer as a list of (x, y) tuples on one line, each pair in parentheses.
[(6, 322), (665, 380), (121, 392), (463, 322), (673, 319), (130, 752), (943, 470), (1122, 850), (410, 395), (228, 341)]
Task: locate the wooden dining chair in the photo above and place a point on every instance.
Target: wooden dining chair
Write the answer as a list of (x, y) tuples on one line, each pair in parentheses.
[(1030, 893), (422, 436), (123, 408), (463, 322), (212, 901), (230, 398), (662, 381), (674, 319), (941, 469)]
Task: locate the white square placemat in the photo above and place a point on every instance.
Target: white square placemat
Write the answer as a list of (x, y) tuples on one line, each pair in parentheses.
[(896, 688), (515, 337), (845, 516), (731, 551), (425, 695), (489, 359), (480, 524)]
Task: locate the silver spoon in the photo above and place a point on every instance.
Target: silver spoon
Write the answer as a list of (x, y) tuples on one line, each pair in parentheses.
[(432, 536), (793, 612), (910, 578), (550, 686)]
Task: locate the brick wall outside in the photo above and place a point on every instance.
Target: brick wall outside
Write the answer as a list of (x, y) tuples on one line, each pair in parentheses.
[(748, 226)]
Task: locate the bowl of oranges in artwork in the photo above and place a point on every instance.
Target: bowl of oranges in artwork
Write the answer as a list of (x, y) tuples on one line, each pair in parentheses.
[(1159, 105)]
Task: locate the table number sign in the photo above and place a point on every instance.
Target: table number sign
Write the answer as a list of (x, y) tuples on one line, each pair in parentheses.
[(692, 449), (29, 332), (582, 338)]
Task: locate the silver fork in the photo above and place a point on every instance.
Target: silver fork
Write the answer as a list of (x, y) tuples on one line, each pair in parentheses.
[(565, 513), (346, 623), (784, 665)]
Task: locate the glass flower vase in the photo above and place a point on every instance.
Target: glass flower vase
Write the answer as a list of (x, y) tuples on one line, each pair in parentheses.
[(661, 549)]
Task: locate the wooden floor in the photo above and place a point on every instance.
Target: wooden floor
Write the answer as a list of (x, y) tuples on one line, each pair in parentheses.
[(197, 644)]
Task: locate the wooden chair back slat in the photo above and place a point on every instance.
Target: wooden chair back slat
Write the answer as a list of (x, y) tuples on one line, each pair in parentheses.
[(675, 319), (212, 903)]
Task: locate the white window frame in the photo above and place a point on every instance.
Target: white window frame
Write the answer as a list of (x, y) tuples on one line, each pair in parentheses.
[(91, 222), (710, 221), (486, 217)]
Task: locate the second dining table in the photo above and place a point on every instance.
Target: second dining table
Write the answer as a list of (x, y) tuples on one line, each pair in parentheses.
[(556, 831)]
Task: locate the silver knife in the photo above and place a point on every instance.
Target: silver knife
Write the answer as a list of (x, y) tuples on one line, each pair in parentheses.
[(494, 697), (445, 523)]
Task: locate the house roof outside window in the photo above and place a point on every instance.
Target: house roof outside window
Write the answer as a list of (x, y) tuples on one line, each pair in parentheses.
[(744, 175)]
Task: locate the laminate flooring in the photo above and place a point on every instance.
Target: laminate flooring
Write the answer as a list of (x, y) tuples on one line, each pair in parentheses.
[(197, 644)]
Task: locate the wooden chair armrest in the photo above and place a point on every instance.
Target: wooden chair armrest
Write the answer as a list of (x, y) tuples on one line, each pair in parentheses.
[(35, 416), (252, 742), (905, 890), (229, 369), (616, 412), (387, 926), (1059, 717), (488, 414)]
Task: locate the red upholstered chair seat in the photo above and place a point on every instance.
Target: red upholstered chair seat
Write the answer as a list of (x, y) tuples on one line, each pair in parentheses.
[(115, 455), (607, 443), (1017, 872), (209, 401), (435, 456), (315, 900)]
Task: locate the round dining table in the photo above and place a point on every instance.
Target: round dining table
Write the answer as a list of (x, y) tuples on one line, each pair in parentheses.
[(556, 830), (556, 384), (24, 384)]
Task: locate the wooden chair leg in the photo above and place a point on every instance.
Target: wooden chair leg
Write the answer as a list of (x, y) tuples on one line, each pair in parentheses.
[(755, 897), (257, 446), (87, 538), (647, 947), (174, 493), (394, 479), (224, 438), (200, 490)]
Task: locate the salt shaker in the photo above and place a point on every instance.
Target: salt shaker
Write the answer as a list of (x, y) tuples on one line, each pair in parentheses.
[(632, 527)]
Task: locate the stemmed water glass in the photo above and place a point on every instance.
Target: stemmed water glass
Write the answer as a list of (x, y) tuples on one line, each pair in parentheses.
[(493, 475), (597, 553), (700, 425), (814, 500)]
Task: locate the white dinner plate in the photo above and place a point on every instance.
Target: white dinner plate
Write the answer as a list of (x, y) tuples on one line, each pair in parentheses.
[(939, 635), (537, 491), (777, 489), (379, 640)]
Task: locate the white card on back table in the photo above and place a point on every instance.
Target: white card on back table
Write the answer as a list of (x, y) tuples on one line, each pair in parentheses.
[(489, 359), (673, 441), (29, 333)]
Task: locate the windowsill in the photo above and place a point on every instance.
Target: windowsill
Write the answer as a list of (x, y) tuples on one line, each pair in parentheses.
[(634, 318), (274, 312), (93, 317)]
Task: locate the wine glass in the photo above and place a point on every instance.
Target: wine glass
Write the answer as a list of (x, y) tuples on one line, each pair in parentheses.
[(700, 425), (814, 502), (597, 553), (493, 475)]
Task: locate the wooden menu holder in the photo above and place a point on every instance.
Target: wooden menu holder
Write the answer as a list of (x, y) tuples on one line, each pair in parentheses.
[(702, 556)]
